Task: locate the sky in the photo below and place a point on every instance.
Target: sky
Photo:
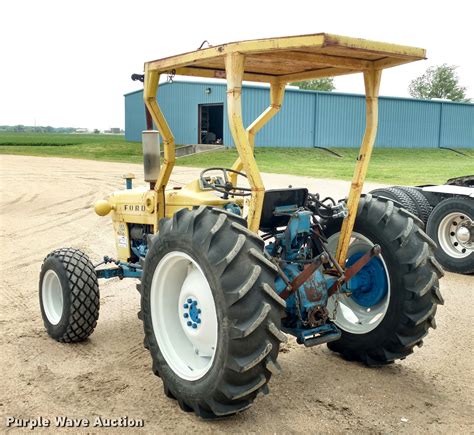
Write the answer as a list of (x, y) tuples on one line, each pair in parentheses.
[(68, 63)]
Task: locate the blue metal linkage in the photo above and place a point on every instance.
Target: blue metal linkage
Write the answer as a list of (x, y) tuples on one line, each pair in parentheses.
[(122, 270), (314, 336)]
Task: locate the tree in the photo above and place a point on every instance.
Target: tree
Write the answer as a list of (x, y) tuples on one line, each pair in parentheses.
[(326, 84), (438, 82)]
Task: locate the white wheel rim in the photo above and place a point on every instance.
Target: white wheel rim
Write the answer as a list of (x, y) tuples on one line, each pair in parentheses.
[(187, 338), (349, 315), (455, 235), (52, 296)]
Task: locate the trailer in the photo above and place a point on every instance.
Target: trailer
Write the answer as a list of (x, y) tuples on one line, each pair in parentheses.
[(447, 210)]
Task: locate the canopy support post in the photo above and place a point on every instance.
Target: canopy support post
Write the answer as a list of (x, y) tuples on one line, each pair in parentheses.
[(372, 83), (234, 65), (149, 95), (277, 91)]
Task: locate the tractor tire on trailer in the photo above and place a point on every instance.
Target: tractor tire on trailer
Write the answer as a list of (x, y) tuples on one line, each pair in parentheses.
[(398, 196), (69, 295), (421, 203), (451, 226), (411, 273), (211, 317)]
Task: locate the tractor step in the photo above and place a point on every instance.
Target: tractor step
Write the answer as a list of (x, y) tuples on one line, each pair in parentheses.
[(315, 336)]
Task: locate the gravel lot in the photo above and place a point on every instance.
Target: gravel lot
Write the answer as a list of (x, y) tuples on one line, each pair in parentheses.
[(46, 203)]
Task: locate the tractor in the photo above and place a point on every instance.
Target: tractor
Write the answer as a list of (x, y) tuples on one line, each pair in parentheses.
[(227, 270)]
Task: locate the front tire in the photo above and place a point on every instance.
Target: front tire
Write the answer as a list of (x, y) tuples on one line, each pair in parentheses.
[(385, 324), (451, 226), (69, 295), (211, 317)]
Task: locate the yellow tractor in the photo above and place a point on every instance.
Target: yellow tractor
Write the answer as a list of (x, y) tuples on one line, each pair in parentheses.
[(227, 269)]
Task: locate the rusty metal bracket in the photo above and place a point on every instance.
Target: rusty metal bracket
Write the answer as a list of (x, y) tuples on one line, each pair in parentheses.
[(354, 269), (306, 274)]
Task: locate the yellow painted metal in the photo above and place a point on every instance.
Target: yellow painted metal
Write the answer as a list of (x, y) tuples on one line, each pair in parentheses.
[(138, 206), (276, 61), (122, 240), (129, 206), (192, 195), (149, 94), (220, 74), (334, 50), (103, 207), (234, 64), (259, 45), (372, 84)]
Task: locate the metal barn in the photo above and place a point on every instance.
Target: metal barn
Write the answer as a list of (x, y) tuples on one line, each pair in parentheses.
[(196, 112)]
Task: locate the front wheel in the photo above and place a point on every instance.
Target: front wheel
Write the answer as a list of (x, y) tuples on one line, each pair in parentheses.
[(394, 297), (69, 295), (211, 317)]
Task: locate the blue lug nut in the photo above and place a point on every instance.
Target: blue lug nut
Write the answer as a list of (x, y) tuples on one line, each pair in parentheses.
[(199, 320), (185, 306), (189, 323), (199, 311), (195, 325), (195, 302), (186, 315), (189, 300)]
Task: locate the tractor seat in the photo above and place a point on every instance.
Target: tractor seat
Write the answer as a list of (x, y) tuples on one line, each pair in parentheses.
[(276, 198)]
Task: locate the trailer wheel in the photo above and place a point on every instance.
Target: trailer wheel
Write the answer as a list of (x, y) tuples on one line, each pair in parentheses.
[(69, 295), (451, 226), (395, 296), (421, 203), (211, 317)]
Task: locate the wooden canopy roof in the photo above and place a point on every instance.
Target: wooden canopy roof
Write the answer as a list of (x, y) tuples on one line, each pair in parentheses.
[(292, 58)]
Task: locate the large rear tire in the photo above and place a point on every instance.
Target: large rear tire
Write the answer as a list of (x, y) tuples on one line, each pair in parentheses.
[(211, 317), (385, 324), (69, 295)]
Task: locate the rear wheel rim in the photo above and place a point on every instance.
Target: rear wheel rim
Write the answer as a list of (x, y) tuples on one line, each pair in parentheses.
[(184, 315), (455, 235), (347, 313), (52, 297)]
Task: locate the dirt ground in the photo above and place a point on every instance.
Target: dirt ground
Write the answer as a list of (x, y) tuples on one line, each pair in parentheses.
[(46, 203)]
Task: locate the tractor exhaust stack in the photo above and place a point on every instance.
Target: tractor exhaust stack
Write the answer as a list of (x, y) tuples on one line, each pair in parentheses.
[(151, 155)]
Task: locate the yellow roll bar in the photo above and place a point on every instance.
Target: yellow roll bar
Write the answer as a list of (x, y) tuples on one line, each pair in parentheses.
[(278, 61)]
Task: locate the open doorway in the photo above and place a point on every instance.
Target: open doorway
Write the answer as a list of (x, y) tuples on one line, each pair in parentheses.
[(211, 123)]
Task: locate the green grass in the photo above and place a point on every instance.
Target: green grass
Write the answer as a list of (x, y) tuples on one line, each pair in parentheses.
[(81, 146), (391, 166)]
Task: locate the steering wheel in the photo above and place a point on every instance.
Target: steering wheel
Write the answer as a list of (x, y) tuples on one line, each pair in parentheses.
[(227, 188)]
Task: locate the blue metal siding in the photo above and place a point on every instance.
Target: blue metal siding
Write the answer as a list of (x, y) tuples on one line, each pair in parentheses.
[(310, 119), (135, 120), (407, 124), (180, 101), (457, 126), (340, 120)]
